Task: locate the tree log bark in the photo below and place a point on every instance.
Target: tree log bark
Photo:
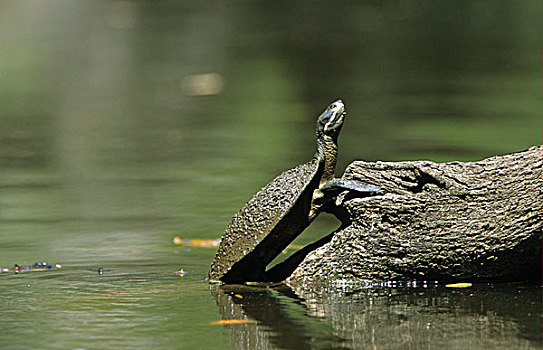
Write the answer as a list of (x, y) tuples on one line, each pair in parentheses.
[(472, 221)]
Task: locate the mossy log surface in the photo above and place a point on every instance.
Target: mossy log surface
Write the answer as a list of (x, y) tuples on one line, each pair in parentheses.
[(458, 221)]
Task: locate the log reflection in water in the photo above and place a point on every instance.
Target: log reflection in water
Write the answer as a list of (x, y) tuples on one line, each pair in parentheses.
[(485, 316)]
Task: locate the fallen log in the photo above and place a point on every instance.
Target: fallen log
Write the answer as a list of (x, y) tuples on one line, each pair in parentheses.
[(469, 221)]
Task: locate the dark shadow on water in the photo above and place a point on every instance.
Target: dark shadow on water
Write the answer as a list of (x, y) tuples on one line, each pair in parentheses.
[(484, 316)]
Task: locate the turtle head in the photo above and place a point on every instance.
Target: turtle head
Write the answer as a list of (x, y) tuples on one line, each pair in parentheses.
[(331, 120)]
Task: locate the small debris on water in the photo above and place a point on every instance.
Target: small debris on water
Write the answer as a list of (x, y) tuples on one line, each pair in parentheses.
[(37, 266), (181, 272), (100, 271), (239, 296), (458, 285)]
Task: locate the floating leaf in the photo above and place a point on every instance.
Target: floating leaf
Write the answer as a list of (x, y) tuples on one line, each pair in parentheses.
[(458, 285), (233, 321), (203, 243)]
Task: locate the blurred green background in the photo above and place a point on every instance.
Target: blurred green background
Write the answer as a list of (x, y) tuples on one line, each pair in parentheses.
[(125, 123), (182, 110)]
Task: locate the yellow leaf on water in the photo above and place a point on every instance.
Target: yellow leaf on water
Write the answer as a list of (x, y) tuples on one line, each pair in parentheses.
[(234, 321), (203, 243), (458, 285)]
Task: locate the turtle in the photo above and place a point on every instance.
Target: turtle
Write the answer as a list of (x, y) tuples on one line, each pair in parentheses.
[(282, 209)]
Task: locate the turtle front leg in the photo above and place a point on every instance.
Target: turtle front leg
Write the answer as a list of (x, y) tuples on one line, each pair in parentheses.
[(335, 186), (338, 185)]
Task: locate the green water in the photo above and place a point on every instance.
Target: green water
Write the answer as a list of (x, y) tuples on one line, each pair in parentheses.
[(112, 142)]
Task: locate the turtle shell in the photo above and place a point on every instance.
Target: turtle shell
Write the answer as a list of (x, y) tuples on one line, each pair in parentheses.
[(265, 225)]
